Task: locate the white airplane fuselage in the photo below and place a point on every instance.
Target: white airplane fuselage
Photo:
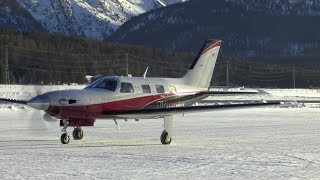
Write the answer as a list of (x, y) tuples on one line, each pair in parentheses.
[(95, 103)]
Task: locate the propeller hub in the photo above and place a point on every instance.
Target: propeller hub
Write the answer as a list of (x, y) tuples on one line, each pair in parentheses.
[(40, 102)]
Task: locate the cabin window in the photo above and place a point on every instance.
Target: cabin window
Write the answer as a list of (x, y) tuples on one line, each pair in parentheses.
[(146, 89), (160, 89), (108, 84), (126, 87)]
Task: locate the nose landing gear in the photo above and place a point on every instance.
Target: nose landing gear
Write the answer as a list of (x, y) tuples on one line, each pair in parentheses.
[(65, 139), (77, 133)]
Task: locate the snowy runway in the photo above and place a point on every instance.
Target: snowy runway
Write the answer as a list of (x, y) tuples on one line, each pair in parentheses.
[(270, 143)]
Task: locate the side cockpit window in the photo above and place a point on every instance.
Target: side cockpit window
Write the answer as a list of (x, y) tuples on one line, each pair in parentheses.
[(108, 84), (160, 89), (146, 88), (126, 88)]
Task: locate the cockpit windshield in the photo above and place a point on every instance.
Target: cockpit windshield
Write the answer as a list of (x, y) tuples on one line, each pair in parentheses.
[(108, 84), (94, 83)]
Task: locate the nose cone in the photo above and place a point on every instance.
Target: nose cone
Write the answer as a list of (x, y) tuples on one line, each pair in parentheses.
[(40, 102)]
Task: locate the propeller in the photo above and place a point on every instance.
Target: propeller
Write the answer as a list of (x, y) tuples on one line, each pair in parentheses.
[(40, 120)]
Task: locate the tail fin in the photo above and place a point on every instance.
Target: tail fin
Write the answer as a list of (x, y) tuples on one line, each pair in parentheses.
[(200, 72)]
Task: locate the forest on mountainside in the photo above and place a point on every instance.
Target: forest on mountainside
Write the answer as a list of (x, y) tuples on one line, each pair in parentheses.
[(259, 30), (53, 58)]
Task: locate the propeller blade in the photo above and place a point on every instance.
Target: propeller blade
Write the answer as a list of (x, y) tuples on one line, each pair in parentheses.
[(39, 103)]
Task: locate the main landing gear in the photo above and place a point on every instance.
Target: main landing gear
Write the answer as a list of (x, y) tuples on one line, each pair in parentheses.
[(77, 133), (166, 136)]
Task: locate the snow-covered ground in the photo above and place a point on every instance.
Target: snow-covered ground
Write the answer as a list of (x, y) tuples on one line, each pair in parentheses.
[(258, 143)]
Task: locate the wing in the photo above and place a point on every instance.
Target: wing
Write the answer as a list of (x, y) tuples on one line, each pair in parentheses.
[(228, 92), (161, 112)]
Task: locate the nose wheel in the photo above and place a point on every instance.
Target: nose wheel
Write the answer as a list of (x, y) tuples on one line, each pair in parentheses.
[(65, 139), (77, 133)]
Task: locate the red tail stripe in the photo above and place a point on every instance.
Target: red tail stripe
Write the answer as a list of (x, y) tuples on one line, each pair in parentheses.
[(217, 44)]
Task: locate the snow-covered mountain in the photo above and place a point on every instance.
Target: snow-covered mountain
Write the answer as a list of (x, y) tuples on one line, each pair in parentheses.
[(89, 18), (13, 16), (249, 28)]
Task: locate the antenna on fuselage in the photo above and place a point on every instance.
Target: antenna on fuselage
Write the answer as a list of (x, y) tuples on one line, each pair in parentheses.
[(145, 72)]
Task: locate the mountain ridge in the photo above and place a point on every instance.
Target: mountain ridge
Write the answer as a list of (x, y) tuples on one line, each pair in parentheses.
[(96, 19), (14, 17), (247, 27)]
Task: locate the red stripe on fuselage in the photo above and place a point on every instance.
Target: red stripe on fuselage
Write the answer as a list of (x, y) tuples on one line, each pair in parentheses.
[(95, 110)]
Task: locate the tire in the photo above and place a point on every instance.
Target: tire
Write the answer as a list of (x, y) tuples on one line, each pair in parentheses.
[(163, 138), (65, 139), (77, 134)]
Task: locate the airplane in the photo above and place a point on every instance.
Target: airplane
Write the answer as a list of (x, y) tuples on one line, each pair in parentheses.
[(116, 97)]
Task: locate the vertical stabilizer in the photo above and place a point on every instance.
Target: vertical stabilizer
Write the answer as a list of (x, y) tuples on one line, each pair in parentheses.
[(200, 72)]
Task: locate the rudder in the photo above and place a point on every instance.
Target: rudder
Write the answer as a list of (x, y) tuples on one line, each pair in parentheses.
[(200, 72)]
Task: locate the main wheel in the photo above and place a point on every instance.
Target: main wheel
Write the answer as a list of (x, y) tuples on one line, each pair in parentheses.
[(77, 134), (164, 138), (65, 139)]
